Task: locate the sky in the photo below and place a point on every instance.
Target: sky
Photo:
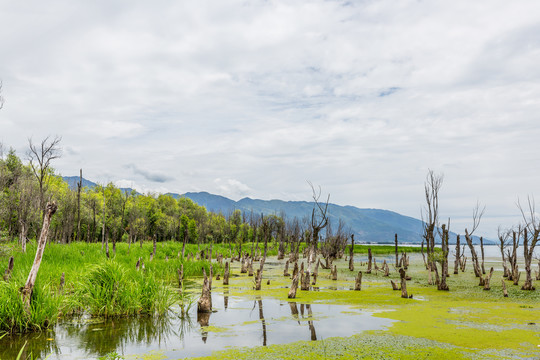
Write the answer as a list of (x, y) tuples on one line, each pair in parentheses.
[(256, 98)]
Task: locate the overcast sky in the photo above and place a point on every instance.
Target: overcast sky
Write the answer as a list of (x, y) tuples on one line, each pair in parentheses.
[(254, 98)]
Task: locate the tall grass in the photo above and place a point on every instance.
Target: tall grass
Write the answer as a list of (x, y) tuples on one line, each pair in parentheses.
[(93, 284)]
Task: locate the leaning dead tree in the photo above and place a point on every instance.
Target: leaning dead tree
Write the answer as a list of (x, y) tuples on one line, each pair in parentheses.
[(42, 241), (531, 233), (477, 216)]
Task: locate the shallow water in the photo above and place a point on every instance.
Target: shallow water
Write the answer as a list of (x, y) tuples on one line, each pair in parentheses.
[(236, 322)]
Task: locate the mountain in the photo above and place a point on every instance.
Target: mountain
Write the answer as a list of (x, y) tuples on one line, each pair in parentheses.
[(73, 180), (368, 225)]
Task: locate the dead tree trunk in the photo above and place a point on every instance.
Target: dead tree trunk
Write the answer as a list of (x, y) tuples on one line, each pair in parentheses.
[(358, 282), (286, 271), (181, 276), (505, 292), (487, 280), (528, 251), (31, 281), (396, 250), (334, 273), (423, 256), (294, 285), (458, 255), (351, 254), (315, 273), (204, 305), (403, 284), (369, 261), (226, 274), (7, 273), (482, 252)]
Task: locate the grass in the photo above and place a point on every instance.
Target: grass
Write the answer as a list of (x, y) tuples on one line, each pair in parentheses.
[(93, 284)]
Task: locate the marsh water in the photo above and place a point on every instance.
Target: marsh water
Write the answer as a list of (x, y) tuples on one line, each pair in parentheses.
[(235, 322)]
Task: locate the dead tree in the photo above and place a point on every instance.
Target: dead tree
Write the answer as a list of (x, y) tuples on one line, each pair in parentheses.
[(40, 157), (370, 257), (351, 254), (358, 282), (430, 215), (530, 239), (482, 253), (204, 305), (181, 277), (286, 270), (477, 216), (333, 273), (319, 220), (7, 273), (396, 250), (42, 241), (503, 237), (294, 285), (226, 274), (444, 259), (487, 280), (505, 292), (315, 273), (458, 256), (403, 284)]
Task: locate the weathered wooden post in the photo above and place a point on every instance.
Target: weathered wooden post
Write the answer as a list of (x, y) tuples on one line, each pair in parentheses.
[(42, 241)]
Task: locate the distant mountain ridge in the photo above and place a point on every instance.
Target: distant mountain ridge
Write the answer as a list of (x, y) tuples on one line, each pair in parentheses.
[(368, 225)]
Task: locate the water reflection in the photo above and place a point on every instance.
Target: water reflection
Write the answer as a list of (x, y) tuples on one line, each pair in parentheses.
[(235, 323)]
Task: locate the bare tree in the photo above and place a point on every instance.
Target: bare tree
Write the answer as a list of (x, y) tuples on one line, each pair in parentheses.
[(319, 220), (531, 233), (430, 218), (477, 216), (504, 238), (40, 157)]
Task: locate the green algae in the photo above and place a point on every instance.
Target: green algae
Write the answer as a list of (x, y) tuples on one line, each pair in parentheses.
[(465, 322)]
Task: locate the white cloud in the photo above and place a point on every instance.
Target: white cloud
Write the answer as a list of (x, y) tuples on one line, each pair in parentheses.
[(359, 97)]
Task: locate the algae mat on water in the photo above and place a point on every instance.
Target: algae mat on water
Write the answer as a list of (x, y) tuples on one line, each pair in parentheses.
[(465, 322)]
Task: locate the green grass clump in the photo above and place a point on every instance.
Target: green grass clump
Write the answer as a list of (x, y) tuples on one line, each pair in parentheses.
[(45, 307)]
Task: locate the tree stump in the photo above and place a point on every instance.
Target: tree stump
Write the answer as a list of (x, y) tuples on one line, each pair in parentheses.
[(403, 284), (358, 282), (226, 274), (294, 286), (62, 280), (305, 281), (334, 273), (505, 292), (487, 280), (394, 285), (204, 305), (7, 273), (369, 261)]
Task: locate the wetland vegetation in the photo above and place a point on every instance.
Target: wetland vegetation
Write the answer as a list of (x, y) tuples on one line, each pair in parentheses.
[(126, 275)]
